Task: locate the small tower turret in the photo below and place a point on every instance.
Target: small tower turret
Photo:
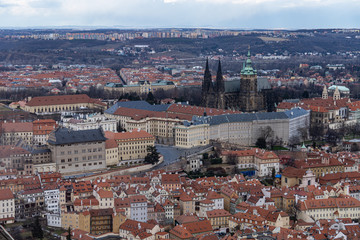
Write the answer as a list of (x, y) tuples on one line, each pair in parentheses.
[(336, 95), (325, 94)]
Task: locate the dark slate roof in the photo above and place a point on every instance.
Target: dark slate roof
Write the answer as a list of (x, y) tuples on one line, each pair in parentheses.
[(68, 136), (295, 112), (38, 151), (235, 85), (142, 105), (248, 117)]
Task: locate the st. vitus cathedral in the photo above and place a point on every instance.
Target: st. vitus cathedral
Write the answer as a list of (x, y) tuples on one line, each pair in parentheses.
[(246, 95)]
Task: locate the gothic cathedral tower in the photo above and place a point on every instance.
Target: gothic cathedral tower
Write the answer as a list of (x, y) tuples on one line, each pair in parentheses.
[(207, 86), (249, 97), (220, 88)]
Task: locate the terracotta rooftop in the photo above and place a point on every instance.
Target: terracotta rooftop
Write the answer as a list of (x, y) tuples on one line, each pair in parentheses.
[(9, 127), (6, 194), (131, 135), (62, 99)]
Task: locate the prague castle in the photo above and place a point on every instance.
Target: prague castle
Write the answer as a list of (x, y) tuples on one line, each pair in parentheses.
[(247, 94)]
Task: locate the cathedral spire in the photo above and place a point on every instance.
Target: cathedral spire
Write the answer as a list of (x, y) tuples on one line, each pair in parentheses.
[(219, 79), (207, 82), (247, 66)]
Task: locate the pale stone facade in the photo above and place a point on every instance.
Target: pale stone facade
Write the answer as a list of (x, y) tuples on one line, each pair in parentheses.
[(91, 121), (331, 208), (192, 135), (84, 153), (132, 145), (7, 206)]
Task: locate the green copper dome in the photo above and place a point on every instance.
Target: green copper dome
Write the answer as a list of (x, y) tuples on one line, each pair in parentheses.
[(247, 66)]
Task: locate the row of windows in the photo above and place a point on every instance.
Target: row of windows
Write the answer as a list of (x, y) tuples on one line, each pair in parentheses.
[(84, 165), (83, 151), (84, 158)]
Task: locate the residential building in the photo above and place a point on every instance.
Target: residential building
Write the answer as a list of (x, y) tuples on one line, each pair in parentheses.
[(262, 161), (52, 198), (105, 198), (138, 208), (219, 218), (14, 157), (53, 220), (244, 220), (7, 206), (41, 130), (191, 230), (101, 221), (13, 132), (29, 203), (131, 229), (112, 152), (330, 208), (170, 181), (321, 164), (297, 177)]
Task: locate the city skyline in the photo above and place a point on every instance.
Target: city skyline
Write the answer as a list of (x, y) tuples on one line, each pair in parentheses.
[(233, 14)]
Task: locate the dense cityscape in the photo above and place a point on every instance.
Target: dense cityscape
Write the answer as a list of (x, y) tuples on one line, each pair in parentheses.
[(179, 133)]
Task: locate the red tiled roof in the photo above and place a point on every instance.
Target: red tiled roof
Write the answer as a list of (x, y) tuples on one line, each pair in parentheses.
[(131, 135), (170, 179), (110, 143), (17, 127), (86, 202), (62, 99), (347, 202), (293, 172), (10, 150), (218, 213), (105, 194), (6, 194)]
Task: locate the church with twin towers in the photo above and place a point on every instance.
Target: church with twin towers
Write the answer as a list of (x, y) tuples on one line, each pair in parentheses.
[(247, 94)]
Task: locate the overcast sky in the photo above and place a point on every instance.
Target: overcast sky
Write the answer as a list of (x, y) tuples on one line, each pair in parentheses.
[(242, 14)]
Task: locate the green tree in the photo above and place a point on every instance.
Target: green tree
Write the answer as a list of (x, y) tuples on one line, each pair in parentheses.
[(152, 156), (119, 127), (37, 231), (305, 94), (68, 237), (261, 142), (273, 173), (150, 98)]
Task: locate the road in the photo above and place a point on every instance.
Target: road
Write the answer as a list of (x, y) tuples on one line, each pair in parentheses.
[(172, 154)]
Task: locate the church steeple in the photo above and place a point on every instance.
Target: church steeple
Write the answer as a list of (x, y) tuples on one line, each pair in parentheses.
[(220, 87), (336, 95), (325, 93), (207, 83), (247, 66)]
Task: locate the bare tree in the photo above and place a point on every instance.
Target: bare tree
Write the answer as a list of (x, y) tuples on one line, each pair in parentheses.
[(303, 133), (231, 159), (293, 141), (266, 133)]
